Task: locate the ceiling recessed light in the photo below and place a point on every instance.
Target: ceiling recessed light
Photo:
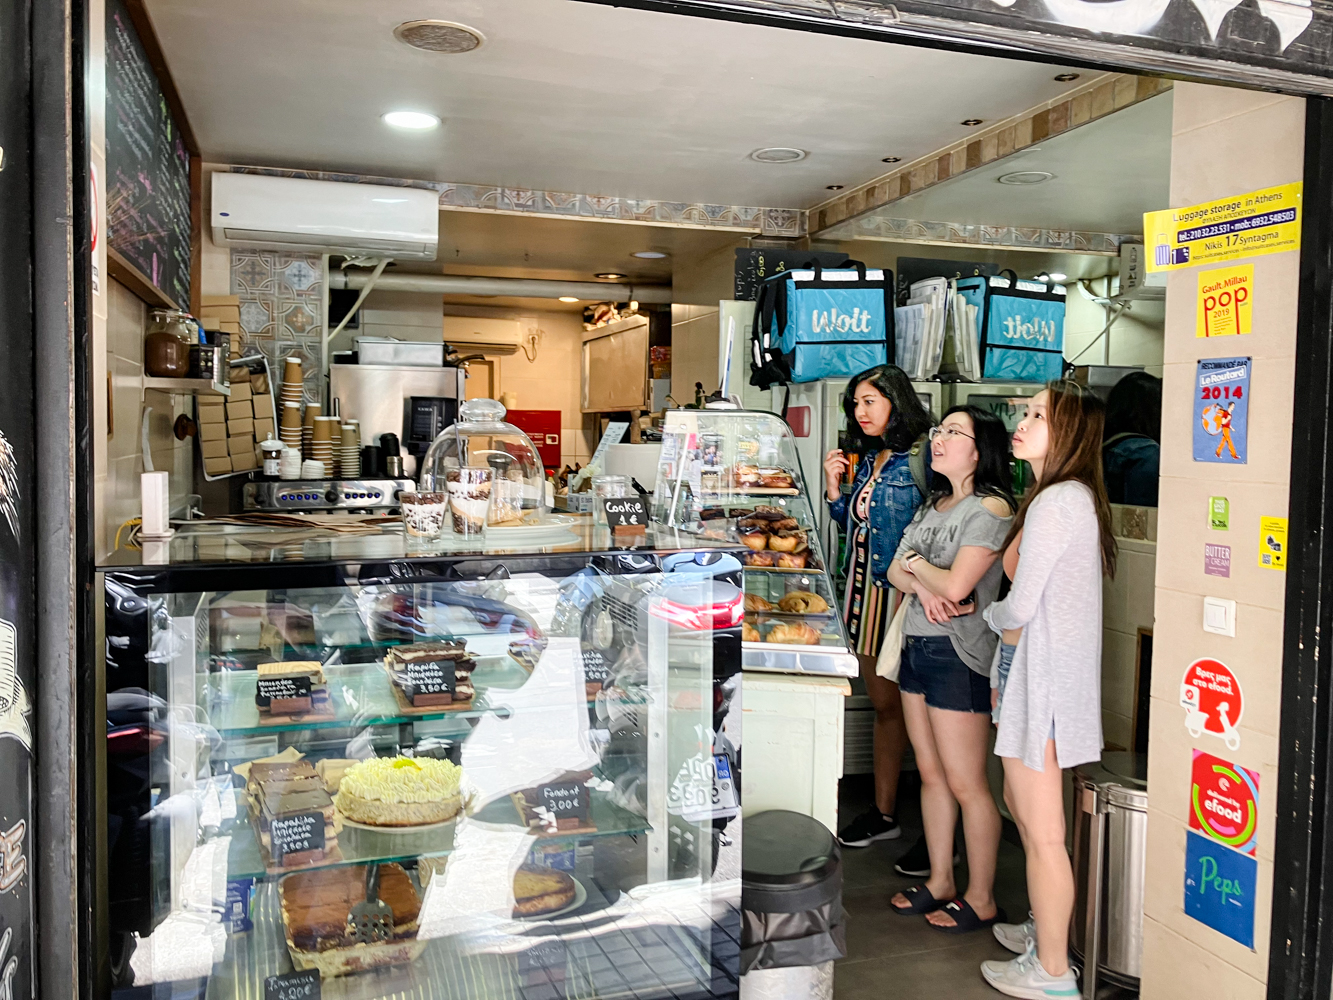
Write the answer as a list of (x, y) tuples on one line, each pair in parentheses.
[(1022, 177), (778, 154), (891, 159), (648, 254), (610, 276), (568, 298), (832, 187), (411, 119), (1065, 77), (433, 35), (969, 122)]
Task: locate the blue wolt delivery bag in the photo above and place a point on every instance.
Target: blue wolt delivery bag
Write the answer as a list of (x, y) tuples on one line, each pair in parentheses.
[(815, 323), (1021, 331)]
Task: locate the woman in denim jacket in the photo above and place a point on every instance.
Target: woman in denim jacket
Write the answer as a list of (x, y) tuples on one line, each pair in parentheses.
[(885, 419)]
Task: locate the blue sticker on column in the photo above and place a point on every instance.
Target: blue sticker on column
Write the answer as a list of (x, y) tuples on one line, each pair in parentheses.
[(1219, 888), (1222, 410)]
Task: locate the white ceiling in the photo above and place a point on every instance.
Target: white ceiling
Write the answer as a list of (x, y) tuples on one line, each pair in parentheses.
[(573, 96), (1107, 174)]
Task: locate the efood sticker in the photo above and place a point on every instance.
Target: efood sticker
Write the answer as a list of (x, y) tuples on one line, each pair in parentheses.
[(1224, 802), (1212, 699)]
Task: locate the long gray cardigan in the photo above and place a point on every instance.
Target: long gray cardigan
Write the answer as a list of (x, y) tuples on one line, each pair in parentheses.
[(1056, 600)]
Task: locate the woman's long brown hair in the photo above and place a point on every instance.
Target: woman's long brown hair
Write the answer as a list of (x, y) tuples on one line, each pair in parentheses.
[(1075, 416)]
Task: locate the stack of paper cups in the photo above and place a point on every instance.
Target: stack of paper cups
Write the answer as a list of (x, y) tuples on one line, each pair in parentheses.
[(289, 465), (289, 426), (351, 450), (335, 437), (292, 385), (308, 427), (321, 442)]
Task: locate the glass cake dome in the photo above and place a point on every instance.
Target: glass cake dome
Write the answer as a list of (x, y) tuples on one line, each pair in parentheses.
[(490, 468)]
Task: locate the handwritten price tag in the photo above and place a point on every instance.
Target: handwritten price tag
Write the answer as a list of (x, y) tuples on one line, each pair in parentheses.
[(293, 986)]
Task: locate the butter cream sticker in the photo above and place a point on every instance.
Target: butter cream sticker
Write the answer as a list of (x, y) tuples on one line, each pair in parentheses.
[(1224, 802), (1212, 699), (1216, 559), (1226, 300), (1245, 225), (1221, 410), (1273, 542)]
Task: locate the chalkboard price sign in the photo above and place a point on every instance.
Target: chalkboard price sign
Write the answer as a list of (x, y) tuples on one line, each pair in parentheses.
[(595, 667), (296, 834), (433, 677), (567, 800), (293, 986), (269, 689), (626, 512), (148, 166)]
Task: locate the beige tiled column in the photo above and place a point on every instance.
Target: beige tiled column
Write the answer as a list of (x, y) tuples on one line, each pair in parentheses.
[(1224, 142)]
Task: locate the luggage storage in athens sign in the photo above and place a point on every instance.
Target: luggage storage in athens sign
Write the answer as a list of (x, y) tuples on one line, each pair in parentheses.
[(1245, 225)]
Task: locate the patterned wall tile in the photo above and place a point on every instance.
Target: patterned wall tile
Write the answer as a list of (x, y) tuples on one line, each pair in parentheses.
[(281, 302)]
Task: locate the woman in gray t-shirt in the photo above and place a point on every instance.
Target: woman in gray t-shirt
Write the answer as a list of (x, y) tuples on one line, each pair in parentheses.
[(948, 566)]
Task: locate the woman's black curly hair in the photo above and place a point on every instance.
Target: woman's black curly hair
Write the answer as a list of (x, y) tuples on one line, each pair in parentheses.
[(908, 419)]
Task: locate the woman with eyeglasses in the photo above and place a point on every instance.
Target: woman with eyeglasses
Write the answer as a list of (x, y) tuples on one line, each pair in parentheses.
[(948, 565), (887, 425)]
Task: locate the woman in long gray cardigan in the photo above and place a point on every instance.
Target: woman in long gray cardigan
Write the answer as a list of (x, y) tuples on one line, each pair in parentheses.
[(1049, 669)]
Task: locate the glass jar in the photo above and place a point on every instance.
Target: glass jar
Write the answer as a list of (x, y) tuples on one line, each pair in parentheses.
[(482, 441), (166, 346)]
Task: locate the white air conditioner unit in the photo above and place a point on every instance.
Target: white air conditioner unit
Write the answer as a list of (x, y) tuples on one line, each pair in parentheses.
[(1136, 281), (500, 336), (290, 213)]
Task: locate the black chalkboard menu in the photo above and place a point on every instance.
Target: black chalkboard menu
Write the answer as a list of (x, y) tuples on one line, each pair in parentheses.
[(148, 166)]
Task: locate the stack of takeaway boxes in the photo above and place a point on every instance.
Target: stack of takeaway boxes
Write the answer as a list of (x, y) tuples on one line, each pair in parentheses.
[(230, 428)]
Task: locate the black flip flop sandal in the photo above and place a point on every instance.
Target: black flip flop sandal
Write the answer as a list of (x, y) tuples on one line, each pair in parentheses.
[(919, 901), (965, 919)]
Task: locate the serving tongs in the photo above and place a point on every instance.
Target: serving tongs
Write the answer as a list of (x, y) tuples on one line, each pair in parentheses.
[(371, 921)]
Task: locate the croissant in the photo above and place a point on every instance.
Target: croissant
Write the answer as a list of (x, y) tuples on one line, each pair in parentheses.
[(803, 602), (793, 634), (756, 540), (791, 560), (753, 602), (759, 559), (786, 541), (749, 633)]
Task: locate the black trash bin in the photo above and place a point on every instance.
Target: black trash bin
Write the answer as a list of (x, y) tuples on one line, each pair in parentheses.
[(791, 906)]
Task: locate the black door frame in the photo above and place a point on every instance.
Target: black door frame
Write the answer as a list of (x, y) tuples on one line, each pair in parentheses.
[(66, 658)]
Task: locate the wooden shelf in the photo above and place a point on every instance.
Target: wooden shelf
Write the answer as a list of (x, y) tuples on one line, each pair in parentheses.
[(193, 386)]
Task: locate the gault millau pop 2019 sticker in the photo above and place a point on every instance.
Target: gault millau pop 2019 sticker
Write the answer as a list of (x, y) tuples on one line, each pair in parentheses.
[(1221, 410), (1226, 301)]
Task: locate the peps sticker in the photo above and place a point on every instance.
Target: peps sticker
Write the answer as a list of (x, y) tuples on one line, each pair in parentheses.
[(1219, 888), (1224, 802), (1212, 699)]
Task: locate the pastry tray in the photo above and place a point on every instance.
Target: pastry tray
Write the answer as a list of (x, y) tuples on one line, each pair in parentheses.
[(407, 708)]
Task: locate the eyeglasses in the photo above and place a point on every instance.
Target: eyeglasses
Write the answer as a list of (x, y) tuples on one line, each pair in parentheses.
[(948, 433)]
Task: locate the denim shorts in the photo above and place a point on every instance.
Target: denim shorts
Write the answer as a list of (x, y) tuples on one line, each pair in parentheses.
[(930, 667)]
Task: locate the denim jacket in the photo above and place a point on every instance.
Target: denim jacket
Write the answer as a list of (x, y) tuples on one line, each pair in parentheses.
[(893, 504)]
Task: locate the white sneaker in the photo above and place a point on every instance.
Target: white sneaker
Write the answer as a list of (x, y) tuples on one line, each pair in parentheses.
[(1015, 936), (1025, 977)]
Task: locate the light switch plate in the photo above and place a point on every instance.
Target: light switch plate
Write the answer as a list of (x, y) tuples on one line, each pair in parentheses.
[(1219, 616)]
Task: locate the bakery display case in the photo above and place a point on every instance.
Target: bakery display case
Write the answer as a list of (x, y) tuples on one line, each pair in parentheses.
[(731, 475), (475, 772)]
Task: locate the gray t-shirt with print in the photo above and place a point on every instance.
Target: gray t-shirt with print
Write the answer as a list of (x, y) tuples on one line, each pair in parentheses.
[(938, 536)]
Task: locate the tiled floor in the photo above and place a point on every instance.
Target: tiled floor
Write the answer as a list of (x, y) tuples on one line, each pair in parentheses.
[(893, 956)]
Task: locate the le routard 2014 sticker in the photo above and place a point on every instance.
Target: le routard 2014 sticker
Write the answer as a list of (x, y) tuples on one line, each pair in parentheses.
[(1224, 802), (1212, 699)]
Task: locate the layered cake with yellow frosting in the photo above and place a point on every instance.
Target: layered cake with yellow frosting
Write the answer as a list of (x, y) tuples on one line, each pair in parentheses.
[(400, 791)]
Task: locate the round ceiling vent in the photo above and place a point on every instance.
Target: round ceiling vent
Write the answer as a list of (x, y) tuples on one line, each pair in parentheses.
[(1021, 177), (439, 36), (778, 154)]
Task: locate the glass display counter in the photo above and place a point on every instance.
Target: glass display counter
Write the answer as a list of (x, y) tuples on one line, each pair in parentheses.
[(730, 475), (463, 772)]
